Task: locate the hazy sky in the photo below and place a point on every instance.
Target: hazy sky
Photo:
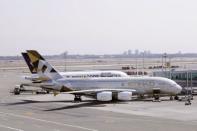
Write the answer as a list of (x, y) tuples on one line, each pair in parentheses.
[(97, 26)]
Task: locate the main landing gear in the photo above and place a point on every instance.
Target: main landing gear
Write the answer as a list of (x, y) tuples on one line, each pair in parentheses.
[(77, 98), (156, 95), (156, 98), (175, 98)]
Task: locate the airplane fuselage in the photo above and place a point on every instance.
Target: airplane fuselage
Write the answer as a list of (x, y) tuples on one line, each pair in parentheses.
[(142, 85), (81, 74)]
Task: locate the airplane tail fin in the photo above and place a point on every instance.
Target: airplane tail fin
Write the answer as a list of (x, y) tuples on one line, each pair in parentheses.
[(41, 66), (28, 62)]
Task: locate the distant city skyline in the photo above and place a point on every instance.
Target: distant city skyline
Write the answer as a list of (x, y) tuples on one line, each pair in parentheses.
[(45, 52), (97, 27)]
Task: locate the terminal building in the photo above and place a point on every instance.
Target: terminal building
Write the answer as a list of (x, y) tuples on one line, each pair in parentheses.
[(185, 78)]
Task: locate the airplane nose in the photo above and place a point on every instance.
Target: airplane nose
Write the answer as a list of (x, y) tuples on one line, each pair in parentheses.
[(179, 88)]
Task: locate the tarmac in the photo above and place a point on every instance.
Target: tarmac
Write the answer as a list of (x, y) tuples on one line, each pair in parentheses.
[(45, 112)]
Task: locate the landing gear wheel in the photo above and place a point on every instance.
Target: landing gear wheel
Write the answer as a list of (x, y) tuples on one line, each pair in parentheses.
[(171, 98), (176, 98), (156, 94), (156, 98), (192, 98), (77, 98), (16, 91), (141, 97)]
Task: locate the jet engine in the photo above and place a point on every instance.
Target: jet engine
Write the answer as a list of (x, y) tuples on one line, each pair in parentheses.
[(104, 96), (124, 96)]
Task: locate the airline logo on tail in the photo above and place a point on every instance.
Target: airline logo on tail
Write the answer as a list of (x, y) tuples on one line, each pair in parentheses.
[(41, 66), (29, 63)]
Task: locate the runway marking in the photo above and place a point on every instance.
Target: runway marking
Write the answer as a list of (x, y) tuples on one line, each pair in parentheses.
[(178, 121), (46, 121), (11, 128)]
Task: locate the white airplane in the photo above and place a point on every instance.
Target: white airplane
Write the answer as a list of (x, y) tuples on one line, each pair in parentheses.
[(74, 74), (100, 88)]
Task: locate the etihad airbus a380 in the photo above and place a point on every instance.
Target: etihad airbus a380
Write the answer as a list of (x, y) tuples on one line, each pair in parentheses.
[(100, 88)]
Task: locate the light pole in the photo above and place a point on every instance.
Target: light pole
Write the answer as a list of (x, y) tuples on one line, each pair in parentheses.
[(169, 66), (65, 57), (143, 65), (191, 85), (164, 56), (137, 66)]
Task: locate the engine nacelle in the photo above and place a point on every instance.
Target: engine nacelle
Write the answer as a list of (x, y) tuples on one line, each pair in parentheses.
[(104, 96), (125, 96)]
